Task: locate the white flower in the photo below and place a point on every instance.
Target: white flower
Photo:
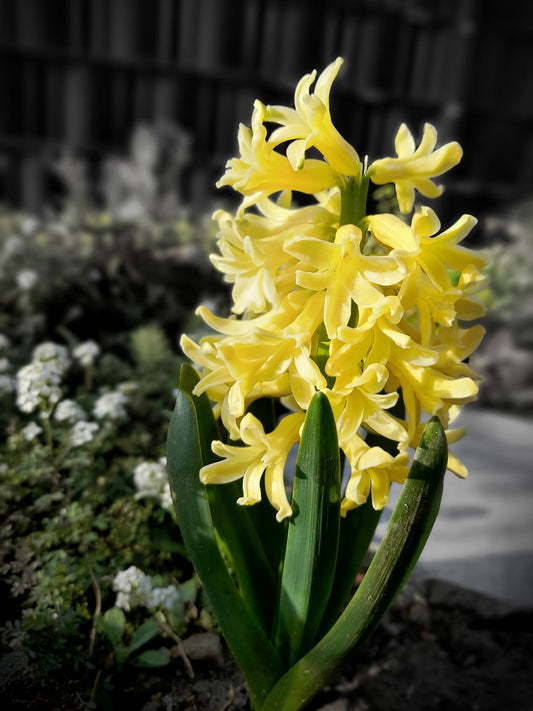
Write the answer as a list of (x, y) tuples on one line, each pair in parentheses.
[(165, 498), (162, 597), (133, 588), (86, 352), (8, 384), (38, 385), (68, 411), (29, 224), (150, 479), (54, 354), (26, 279), (82, 433), (31, 431), (110, 405), (4, 365), (4, 342)]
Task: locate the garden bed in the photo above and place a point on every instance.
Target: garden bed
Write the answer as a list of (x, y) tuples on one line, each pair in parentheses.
[(440, 647)]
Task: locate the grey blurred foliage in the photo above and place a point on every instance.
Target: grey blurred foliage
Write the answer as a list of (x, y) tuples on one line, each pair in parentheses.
[(505, 359), (123, 250), (146, 182)]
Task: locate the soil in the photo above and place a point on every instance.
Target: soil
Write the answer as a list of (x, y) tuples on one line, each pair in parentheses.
[(439, 648)]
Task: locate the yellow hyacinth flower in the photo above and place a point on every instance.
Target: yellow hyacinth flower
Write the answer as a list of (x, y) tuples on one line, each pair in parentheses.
[(262, 170), (365, 308), (415, 167), (309, 125), (262, 453)]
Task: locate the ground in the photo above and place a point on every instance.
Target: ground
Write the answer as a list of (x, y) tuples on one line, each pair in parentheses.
[(440, 648)]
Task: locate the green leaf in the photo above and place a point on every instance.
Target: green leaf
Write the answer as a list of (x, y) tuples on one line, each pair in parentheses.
[(112, 624), (356, 532), (248, 643), (408, 530), (207, 425), (152, 658), (242, 540), (147, 631), (188, 590), (313, 536)]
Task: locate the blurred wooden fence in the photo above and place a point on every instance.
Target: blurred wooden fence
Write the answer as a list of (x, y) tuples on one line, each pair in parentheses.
[(82, 73)]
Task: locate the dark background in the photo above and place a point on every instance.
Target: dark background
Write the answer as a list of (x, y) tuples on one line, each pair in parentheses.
[(81, 74)]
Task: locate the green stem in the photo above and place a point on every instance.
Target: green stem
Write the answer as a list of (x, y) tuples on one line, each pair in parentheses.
[(353, 201), (48, 433)]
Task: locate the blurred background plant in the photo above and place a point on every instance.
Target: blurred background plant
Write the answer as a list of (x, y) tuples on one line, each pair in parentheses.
[(93, 296), (120, 251), (505, 359)]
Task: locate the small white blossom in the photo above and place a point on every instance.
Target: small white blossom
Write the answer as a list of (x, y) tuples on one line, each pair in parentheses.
[(38, 385), (4, 342), (4, 365), (31, 431), (132, 587), (68, 411), (110, 405), (83, 433), (8, 384), (29, 224), (162, 598), (150, 479), (54, 354), (26, 279), (86, 352)]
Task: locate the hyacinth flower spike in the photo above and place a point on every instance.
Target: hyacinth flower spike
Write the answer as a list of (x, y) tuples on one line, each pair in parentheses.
[(348, 341)]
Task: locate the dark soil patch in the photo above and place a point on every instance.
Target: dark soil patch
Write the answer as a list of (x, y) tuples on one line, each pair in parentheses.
[(440, 648)]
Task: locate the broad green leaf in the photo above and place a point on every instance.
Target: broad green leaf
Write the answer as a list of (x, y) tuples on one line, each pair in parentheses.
[(313, 536), (112, 624), (356, 533), (152, 658), (241, 538), (207, 425), (242, 542), (408, 530), (249, 644), (147, 631)]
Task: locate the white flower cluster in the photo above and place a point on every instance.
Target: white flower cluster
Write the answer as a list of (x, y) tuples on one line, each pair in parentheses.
[(82, 433), (110, 406), (68, 411), (26, 279), (31, 431), (150, 479), (38, 385), (134, 589), (86, 352), (53, 354)]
